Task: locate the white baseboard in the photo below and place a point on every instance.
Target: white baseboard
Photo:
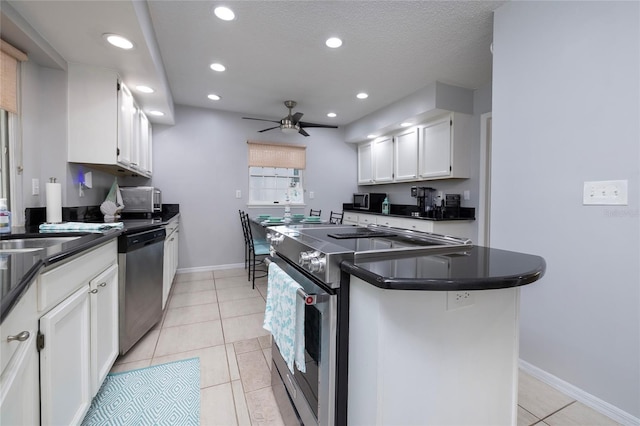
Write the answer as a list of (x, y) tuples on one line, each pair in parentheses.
[(578, 394), (209, 268)]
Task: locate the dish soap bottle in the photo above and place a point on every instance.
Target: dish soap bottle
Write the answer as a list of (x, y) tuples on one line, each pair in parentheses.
[(5, 217), (287, 208), (385, 206)]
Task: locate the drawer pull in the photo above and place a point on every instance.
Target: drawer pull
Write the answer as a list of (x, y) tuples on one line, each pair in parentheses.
[(102, 285), (20, 337), (94, 291)]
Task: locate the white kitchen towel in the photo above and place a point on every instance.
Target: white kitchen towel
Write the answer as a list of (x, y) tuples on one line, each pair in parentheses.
[(284, 316), (79, 226)]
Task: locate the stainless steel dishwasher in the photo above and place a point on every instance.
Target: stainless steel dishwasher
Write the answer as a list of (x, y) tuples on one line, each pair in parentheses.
[(140, 264)]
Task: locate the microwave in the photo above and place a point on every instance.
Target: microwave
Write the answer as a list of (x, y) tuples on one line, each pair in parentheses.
[(371, 202), (141, 199)]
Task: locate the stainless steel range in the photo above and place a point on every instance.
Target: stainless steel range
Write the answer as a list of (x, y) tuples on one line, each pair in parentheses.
[(311, 254)]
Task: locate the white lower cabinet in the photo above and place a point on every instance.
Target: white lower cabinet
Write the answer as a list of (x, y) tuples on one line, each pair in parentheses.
[(170, 264), (104, 325), (65, 360), (19, 402), (78, 338), (350, 218)]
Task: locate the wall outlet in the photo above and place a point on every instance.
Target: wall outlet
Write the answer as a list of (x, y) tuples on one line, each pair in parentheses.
[(35, 186), (238, 193), (459, 299), (467, 195), (605, 193), (312, 195)]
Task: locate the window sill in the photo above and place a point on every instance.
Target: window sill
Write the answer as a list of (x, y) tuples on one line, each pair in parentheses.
[(278, 206)]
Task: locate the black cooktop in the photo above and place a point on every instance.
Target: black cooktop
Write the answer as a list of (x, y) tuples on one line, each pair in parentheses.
[(360, 234)]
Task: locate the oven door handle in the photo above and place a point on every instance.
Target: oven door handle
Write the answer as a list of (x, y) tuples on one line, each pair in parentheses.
[(309, 299)]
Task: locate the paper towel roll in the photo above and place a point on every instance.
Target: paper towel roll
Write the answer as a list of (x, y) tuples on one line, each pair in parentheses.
[(54, 202)]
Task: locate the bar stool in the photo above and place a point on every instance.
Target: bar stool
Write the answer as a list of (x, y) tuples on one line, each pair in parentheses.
[(255, 250), (313, 212), (335, 218)]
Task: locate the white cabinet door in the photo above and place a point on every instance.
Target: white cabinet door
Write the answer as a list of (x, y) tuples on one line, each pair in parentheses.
[(126, 114), (435, 149), (367, 219), (144, 144), (19, 402), (65, 379), (383, 160), (365, 163), (350, 218), (104, 325), (406, 155)]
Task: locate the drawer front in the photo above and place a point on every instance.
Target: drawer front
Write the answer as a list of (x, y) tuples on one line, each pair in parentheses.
[(394, 222), (61, 281), (350, 218), (367, 219), (419, 225)]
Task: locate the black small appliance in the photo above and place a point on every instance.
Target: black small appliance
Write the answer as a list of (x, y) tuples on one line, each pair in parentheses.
[(426, 200)]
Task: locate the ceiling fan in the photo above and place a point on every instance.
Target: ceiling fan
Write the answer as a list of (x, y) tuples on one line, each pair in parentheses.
[(291, 123)]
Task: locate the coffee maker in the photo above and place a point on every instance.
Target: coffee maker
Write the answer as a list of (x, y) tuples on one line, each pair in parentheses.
[(426, 200)]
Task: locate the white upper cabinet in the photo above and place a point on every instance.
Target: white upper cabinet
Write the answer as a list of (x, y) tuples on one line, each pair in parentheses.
[(365, 163), (106, 128), (406, 160), (383, 160), (444, 148), (438, 149), (375, 161)]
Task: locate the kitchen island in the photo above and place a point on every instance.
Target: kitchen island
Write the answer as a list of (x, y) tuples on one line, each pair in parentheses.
[(433, 339)]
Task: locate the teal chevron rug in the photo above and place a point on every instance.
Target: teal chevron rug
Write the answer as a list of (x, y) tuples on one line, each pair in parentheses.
[(166, 394)]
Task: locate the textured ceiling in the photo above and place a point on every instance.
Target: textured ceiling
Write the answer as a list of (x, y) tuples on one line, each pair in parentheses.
[(275, 50)]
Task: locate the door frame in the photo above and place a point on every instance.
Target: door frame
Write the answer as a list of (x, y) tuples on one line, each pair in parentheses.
[(484, 199)]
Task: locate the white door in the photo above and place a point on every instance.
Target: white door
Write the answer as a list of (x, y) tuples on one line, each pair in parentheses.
[(65, 361), (104, 325), (365, 163), (406, 155), (383, 160), (435, 149)]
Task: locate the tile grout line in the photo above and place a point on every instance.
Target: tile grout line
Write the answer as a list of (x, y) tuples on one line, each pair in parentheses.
[(557, 411)]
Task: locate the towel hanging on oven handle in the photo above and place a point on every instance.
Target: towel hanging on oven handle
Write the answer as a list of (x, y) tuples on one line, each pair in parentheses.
[(309, 299)]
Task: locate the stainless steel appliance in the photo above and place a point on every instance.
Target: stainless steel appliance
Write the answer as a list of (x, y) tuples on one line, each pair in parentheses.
[(426, 198), (369, 201), (311, 255), (140, 264), (141, 199)]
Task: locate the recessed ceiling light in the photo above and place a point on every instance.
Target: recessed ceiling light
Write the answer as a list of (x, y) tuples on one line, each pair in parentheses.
[(224, 13), (372, 136), (362, 95), (405, 124), (144, 89), (156, 113), (118, 41), (331, 114), (213, 97), (333, 42), (218, 67)]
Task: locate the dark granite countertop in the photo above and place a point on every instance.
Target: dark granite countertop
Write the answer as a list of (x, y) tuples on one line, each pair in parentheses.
[(466, 268), (18, 270), (404, 211)]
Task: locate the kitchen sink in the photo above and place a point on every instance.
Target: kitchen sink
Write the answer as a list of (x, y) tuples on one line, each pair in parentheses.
[(19, 245)]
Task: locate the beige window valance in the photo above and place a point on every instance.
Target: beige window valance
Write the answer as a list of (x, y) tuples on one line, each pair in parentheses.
[(9, 58), (274, 154)]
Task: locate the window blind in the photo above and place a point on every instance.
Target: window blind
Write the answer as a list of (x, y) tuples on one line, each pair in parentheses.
[(273, 154), (9, 57)]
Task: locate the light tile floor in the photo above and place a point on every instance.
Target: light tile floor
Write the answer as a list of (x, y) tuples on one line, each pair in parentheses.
[(217, 316)]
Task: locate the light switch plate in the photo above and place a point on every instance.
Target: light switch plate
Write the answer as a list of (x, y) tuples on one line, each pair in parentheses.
[(311, 195), (35, 186), (238, 193), (605, 193)]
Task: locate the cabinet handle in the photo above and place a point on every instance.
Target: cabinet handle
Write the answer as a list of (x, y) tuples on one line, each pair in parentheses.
[(94, 291), (102, 284), (20, 337), (171, 239)]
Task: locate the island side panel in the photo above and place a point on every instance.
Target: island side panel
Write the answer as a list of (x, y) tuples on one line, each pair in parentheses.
[(413, 361)]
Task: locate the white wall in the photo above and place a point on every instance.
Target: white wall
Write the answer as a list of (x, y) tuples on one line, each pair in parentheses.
[(201, 161), (566, 109)]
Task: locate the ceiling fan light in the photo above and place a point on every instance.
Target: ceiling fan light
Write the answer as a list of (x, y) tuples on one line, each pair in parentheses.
[(289, 130)]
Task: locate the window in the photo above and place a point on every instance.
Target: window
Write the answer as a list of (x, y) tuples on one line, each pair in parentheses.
[(5, 176), (276, 173)]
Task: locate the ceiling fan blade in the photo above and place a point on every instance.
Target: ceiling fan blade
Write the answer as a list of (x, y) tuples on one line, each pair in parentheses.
[(261, 119), (296, 117), (305, 124), (270, 128), (302, 132)]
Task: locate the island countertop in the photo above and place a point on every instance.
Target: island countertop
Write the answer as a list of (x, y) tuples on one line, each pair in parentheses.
[(465, 268)]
